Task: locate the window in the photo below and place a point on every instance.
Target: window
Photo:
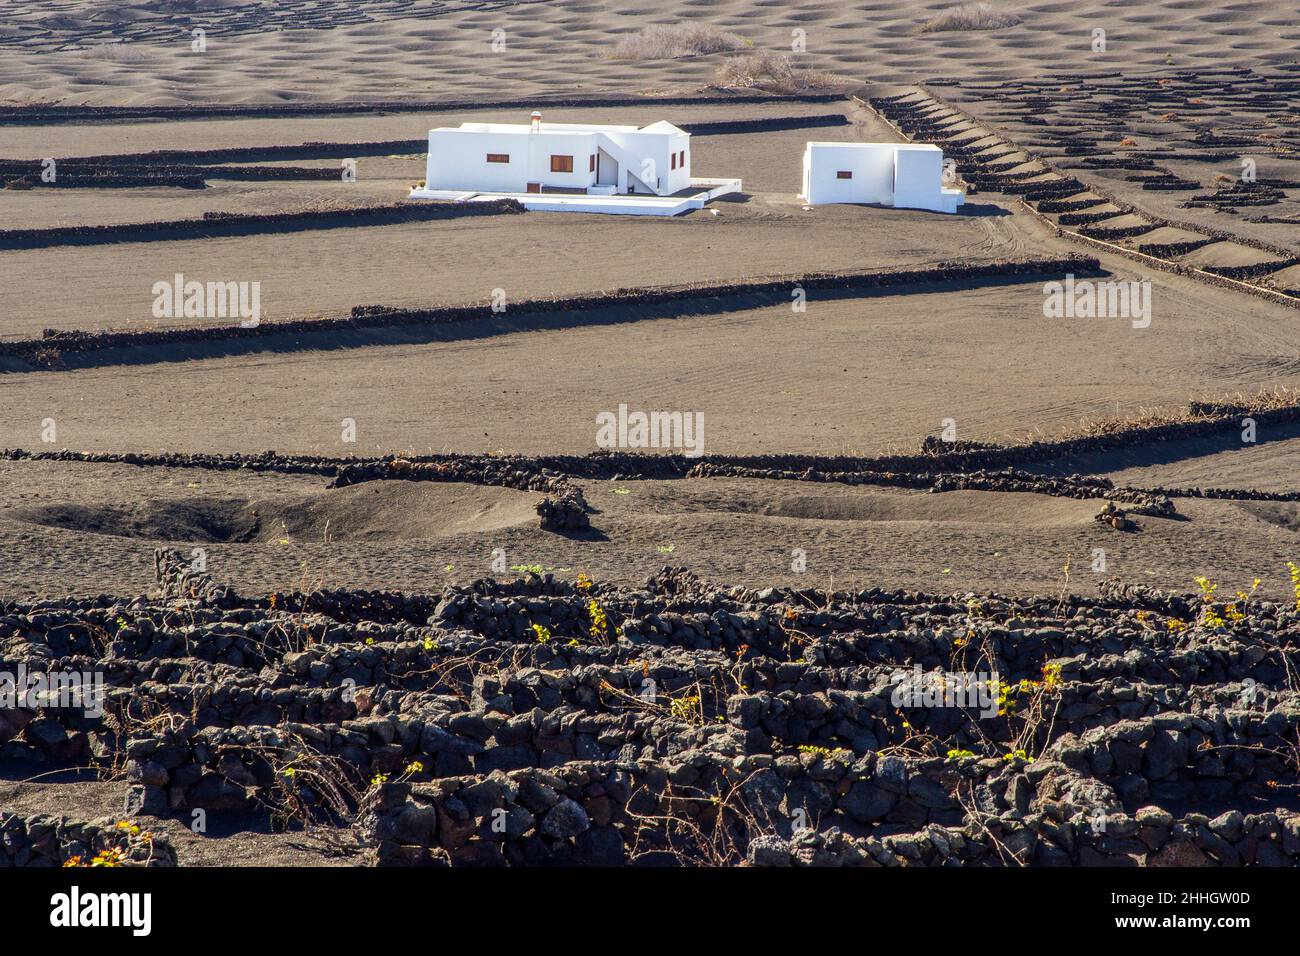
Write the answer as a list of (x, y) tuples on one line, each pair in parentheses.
[(591, 166), (561, 164), (844, 174), (682, 162), (498, 157), (674, 163)]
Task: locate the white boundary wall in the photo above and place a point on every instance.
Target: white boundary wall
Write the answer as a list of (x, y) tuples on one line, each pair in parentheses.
[(636, 205)]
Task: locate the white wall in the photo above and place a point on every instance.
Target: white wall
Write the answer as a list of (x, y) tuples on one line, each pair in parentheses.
[(679, 178), (871, 166), (651, 161), (905, 175), (458, 160), (918, 176), (543, 145)]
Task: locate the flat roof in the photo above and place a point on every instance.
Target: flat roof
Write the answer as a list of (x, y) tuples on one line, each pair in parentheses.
[(830, 145), (661, 127)]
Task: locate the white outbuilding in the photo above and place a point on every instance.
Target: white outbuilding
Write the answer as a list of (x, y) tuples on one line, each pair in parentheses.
[(568, 166), (904, 175)]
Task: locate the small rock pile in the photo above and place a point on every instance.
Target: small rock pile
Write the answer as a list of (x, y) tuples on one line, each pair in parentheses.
[(567, 511), (39, 840), (1114, 517)]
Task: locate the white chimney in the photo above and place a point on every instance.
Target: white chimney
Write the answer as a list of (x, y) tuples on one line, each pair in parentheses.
[(537, 121)]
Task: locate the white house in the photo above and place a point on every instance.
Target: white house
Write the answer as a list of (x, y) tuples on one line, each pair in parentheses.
[(904, 175), (572, 167), (532, 158)]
